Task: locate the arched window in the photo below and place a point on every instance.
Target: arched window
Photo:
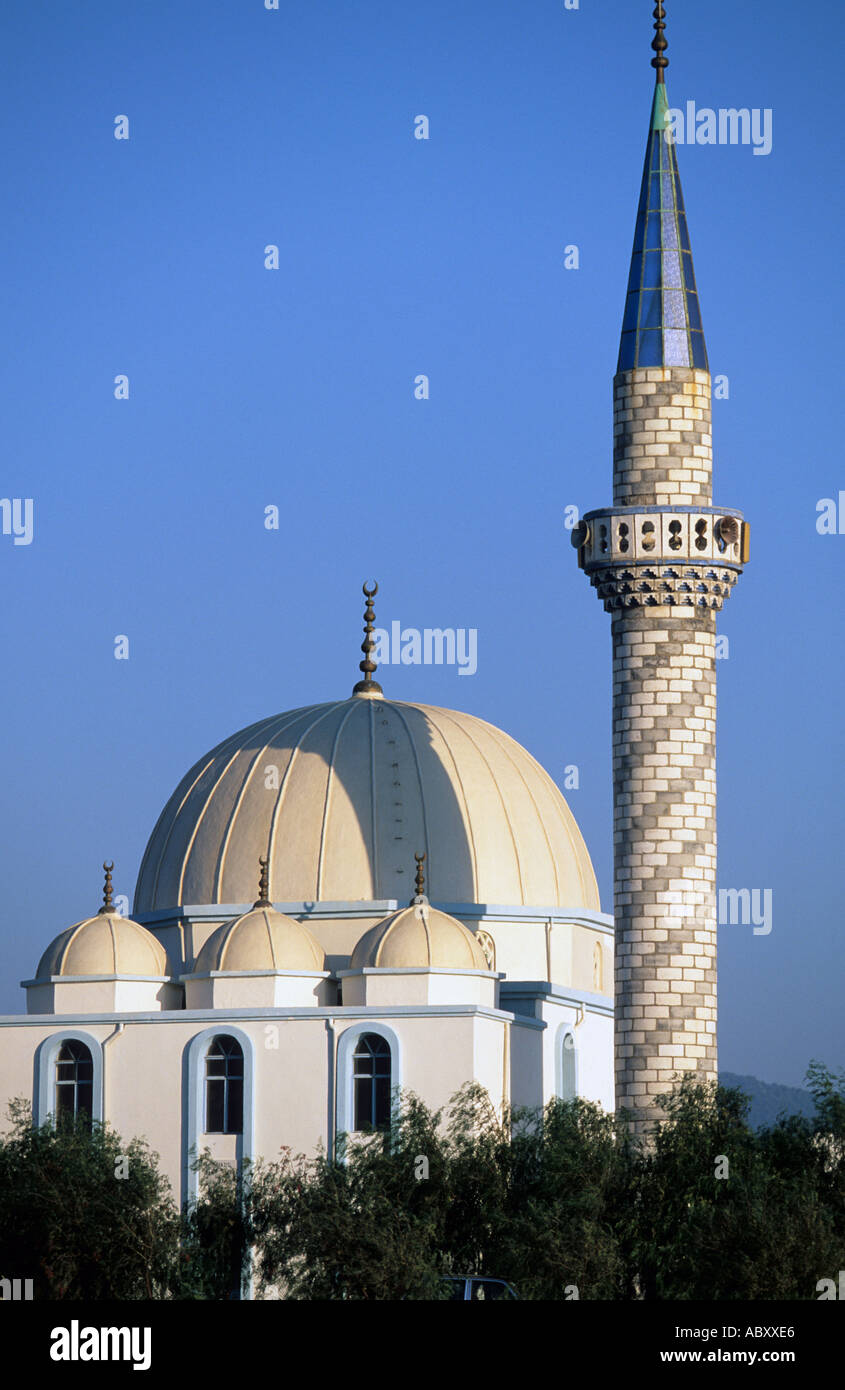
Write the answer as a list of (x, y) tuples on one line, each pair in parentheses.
[(224, 1086), (74, 1082), (568, 1087), (371, 1081), (598, 968)]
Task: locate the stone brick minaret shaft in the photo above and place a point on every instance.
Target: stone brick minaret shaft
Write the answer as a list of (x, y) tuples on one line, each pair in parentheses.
[(663, 559)]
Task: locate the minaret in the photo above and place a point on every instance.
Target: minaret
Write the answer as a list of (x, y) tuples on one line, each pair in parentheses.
[(663, 560)]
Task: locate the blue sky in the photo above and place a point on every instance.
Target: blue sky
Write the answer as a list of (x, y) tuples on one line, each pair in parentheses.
[(294, 388)]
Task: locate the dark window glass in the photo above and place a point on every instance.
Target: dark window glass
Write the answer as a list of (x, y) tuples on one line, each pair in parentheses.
[(654, 193), (371, 1080), (224, 1087), (682, 227), (65, 1102), (632, 304), (653, 230), (74, 1081), (639, 231), (235, 1115), (689, 273), (489, 1288), (636, 269), (215, 1112)]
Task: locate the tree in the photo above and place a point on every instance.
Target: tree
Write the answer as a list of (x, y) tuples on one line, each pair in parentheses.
[(726, 1213), (83, 1214)]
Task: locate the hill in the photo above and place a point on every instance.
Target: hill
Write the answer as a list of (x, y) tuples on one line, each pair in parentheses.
[(768, 1100)]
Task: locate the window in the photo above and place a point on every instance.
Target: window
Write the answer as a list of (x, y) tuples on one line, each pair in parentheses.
[(74, 1082), (224, 1087), (371, 1080), (568, 1066), (598, 968)]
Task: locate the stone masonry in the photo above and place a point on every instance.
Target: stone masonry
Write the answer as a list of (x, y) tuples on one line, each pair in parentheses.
[(662, 445), (663, 559)]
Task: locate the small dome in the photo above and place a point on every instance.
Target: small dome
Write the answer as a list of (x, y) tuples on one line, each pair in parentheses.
[(107, 944), (264, 940), (419, 937)]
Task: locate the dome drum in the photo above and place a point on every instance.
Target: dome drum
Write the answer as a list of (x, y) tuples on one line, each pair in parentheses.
[(257, 989), (384, 988)]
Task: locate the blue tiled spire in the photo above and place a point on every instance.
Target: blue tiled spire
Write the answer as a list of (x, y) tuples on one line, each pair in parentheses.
[(662, 324)]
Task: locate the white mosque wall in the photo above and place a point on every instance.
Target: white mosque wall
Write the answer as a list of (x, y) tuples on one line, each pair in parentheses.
[(299, 1063)]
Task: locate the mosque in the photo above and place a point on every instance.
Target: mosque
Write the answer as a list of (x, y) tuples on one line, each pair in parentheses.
[(363, 896)]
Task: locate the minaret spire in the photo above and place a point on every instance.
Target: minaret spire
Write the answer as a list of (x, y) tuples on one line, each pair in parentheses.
[(368, 686), (662, 322), (263, 899), (108, 900), (658, 43), (420, 896)]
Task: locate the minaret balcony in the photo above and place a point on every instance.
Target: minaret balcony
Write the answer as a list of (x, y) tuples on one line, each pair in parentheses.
[(654, 556)]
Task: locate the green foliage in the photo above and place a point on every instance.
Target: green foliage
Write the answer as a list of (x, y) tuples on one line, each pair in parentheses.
[(213, 1256), (361, 1226), (551, 1200), (763, 1231), (70, 1223)]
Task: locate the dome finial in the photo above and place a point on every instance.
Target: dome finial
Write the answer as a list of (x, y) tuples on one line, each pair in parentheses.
[(420, 894), (368, 686), (658, 43), (108, 901), (263, 885)]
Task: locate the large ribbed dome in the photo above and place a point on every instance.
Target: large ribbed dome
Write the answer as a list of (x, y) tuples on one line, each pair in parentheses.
[(341, 796)]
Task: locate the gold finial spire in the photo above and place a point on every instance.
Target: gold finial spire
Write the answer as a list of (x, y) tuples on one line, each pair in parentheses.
[(368, 686), (420, 894), (108, 901), (263, 885), (658, 43)]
